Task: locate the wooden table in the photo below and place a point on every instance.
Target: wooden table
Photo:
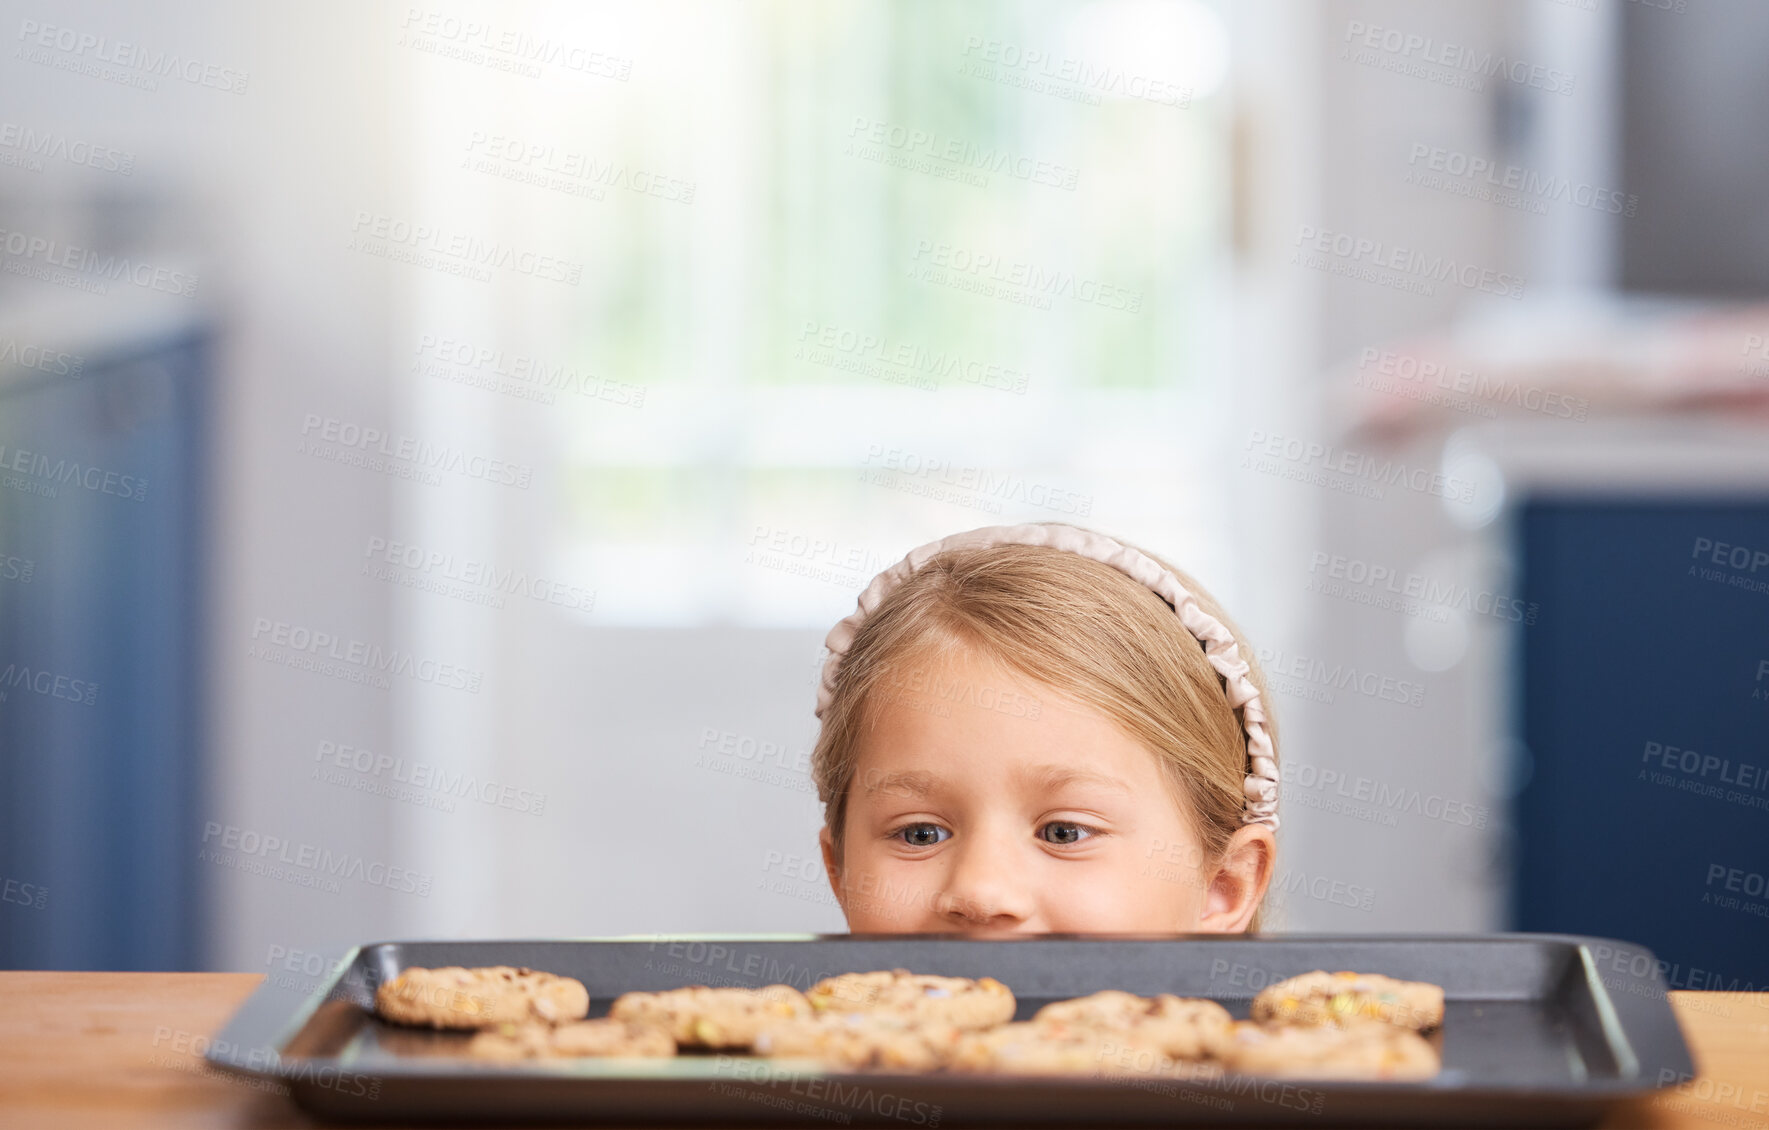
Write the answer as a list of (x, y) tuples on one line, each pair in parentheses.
[(114, 1050)]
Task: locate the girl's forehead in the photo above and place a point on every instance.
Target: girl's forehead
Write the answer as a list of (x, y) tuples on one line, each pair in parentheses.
[(1046, 777), (959, 719), (1061, 747)]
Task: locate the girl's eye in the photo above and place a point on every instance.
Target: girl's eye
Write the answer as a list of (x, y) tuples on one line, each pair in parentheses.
[(1065, 832), (923, 835)]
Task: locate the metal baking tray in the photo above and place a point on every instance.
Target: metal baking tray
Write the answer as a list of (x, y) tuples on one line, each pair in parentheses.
[(1539, 1029)]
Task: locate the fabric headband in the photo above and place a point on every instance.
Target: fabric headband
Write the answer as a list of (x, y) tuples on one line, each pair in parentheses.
[(1220, 648)]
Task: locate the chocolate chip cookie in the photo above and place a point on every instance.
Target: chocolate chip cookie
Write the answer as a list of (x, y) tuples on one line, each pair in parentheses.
[(481, 997), (1358, 1049), (856, 1040), (1182, 1027), (1054, 1047), (959, 1001), (1334, 998), (700, 1016), (602, 1037)]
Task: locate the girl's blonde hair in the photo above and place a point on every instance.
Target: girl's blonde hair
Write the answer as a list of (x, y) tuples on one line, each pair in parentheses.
[(1073, 624)]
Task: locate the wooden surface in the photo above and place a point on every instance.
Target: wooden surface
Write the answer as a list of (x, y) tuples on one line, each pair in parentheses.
[(118, 1051)]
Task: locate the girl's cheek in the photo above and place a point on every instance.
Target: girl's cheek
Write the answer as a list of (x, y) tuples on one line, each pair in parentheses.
[(1178, 899), (892, 899), (1134, 898)]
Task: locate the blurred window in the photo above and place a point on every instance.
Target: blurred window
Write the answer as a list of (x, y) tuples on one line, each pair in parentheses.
[(858, 275)]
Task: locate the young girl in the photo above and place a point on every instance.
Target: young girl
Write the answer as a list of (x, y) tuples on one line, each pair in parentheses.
[(1038, 728)]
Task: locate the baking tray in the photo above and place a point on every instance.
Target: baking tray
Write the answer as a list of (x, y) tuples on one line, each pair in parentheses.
[(1539, 1029)]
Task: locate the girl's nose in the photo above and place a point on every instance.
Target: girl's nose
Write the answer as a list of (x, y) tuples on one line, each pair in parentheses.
[(985, 890)]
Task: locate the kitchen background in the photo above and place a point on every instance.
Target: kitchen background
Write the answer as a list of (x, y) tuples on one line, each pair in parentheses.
[(436, 439)]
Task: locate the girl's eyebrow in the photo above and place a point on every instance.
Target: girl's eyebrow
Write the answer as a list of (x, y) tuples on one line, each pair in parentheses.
[(1057, 776), (903, 782)]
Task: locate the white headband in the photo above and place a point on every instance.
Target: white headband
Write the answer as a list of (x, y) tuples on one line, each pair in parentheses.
[(1220, 648)]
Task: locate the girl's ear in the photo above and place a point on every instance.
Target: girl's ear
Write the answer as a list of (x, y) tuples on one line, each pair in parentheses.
[(826, 840), (1238, 885)]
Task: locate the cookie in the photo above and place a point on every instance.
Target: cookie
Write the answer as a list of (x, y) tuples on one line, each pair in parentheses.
[(482, 997), (700, 1016), (1333, 998), (958, 1001), (1358, 1049), (854, 1040), (1054, 1047), (603, 1037), (1182, 1027)]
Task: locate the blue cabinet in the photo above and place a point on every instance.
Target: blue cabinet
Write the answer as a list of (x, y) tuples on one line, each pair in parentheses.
[(103, 480), (1644, 807)]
